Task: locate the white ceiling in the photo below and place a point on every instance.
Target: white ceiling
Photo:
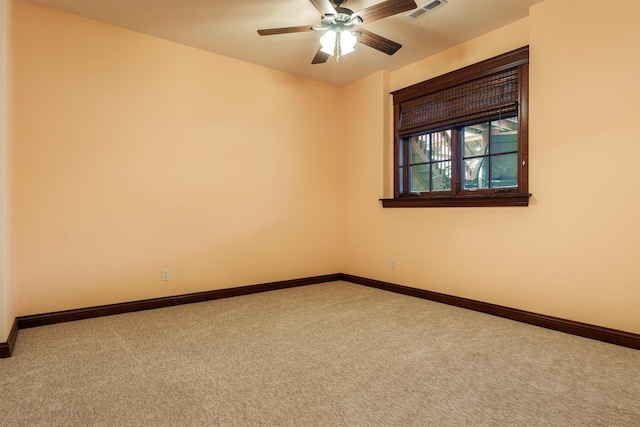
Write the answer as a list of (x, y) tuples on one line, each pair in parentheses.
[(228, 27)]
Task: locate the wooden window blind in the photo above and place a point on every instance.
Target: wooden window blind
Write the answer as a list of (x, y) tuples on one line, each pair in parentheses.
[(485, 98)]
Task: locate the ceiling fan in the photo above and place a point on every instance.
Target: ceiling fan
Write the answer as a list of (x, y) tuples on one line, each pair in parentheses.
[(339, 25)]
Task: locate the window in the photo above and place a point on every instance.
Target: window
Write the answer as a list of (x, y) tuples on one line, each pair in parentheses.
[(461, 139)]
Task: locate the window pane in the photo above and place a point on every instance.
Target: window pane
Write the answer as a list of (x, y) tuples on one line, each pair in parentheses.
[(441, 172), (420, 178), (441, 145), (476, 140), (476, 173), (420, 149), (430, 162), (504, 171), (504, 136)]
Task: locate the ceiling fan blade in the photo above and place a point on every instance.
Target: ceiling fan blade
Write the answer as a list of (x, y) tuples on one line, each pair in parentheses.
[(384, 9), (285, 30), (378, 42), (324, 7), (320, 57)]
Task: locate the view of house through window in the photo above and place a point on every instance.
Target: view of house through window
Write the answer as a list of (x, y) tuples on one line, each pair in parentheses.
[(491, 154), (430, 162)]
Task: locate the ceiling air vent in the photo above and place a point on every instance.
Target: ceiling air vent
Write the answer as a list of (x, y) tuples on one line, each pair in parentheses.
[(429, 6)]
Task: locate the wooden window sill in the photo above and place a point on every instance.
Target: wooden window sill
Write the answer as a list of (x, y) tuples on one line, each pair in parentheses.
[(479, 200)]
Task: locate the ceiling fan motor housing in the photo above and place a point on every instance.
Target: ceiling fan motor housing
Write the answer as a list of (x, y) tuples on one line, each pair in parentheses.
[(341, 21)]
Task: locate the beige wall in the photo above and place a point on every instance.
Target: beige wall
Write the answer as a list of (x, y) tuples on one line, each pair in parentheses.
[(135, 154), (573, 252)]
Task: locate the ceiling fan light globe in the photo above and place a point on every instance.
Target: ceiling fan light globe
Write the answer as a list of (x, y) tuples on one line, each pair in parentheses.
[(347, 42), (328, 42)]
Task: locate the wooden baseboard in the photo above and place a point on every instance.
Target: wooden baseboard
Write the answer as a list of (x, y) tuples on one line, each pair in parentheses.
[(612, 336), (6, 348), (32, 321)]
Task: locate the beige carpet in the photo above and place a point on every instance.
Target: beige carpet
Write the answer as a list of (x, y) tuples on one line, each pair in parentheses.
[(323, 355)]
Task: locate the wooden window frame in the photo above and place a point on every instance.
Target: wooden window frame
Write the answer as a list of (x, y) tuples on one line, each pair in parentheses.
[(458, 197)]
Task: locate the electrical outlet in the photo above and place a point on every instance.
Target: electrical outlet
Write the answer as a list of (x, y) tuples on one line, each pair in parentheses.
[(393, 264), (165, 274)]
